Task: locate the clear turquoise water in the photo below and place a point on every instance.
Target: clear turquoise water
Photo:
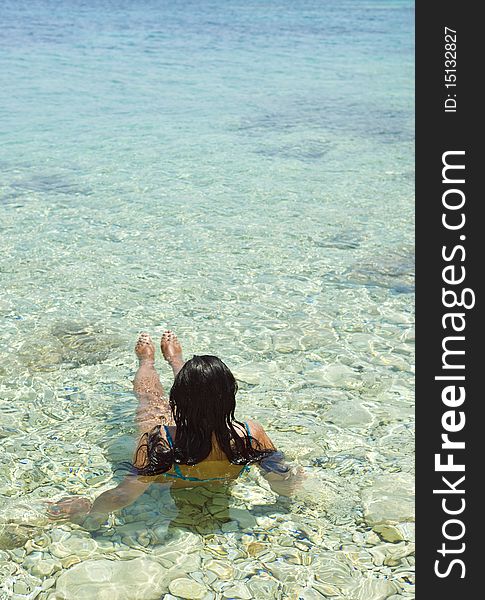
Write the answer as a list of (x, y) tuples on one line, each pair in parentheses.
[(241, 172)]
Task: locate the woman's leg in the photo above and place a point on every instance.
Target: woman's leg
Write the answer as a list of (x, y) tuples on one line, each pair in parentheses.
[(153, 407)]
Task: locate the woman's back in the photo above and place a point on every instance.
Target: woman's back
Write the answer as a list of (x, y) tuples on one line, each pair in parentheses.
[(216, 467)]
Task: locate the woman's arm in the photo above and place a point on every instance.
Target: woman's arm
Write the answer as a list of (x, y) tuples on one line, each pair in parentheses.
[(124, 494), (282, 478)]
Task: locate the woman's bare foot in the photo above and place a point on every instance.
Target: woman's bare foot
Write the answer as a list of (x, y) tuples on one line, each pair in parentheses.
[(172, 351), (145, 348)]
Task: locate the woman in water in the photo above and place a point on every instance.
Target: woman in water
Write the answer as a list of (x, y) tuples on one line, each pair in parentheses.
[(192, 438)]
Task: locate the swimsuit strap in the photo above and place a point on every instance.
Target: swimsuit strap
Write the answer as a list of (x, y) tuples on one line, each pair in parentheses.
[(169, 437), (247, 467), (181, 476)]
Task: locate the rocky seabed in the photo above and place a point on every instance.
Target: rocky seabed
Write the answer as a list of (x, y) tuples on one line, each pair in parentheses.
[(214, 551)]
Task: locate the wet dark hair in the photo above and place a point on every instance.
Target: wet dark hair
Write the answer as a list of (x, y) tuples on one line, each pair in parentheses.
[(203, 400)]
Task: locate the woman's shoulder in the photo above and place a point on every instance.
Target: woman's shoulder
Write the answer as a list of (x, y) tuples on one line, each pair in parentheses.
[(254, 426), (257, 431)]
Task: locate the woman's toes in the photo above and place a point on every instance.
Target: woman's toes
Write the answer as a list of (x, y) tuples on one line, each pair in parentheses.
[(145, 348)]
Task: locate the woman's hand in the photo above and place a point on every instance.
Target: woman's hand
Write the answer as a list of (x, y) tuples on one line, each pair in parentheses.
[(69, 508), (286, 484)]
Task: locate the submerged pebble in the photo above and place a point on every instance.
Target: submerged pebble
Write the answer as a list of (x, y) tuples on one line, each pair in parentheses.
[(223, 570), (263, 586), (310, 593), (237, 590), (389, 533), (14, 536), (80, 546), (187, 588), (41, 564)]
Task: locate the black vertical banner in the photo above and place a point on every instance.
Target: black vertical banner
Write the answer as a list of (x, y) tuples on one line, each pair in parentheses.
[(449, 300)]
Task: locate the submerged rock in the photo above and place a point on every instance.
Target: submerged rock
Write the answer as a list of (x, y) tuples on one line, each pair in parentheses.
[(245, 519), (349, 414), (389, 500), (41, 564), (14, 536), (187, 588), (337, 376), (254, 373), (23, 514), (389, 533), (391, 269), (83, 547), (407, 531), (371, 538), (223, 570), (310, 593), (373, 589), (71, 343), (138, 579), (25, 585), (263, 587), (237, 590), (333, 570), (7, 566)]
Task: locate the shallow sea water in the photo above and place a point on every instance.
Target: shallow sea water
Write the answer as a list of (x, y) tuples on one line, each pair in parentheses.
[(241, 172)]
